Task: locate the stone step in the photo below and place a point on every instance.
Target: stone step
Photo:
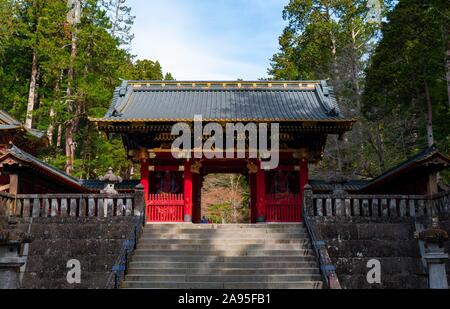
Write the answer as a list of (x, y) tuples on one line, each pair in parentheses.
[(224, 226), (225, 232), (225, 265), (229, 285), (217, 259), (222, 271), (188, 256), (222, 278), (230, 252), (230, 236), (223, 247), (158, 241)]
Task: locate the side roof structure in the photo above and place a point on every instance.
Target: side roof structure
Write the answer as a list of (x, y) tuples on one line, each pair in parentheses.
[(15, 155), (12, 130), (430, 158)]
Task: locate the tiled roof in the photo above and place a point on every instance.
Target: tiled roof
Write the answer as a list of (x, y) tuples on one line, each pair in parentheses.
[(419, 159), (230, 101), (126, 185), (36, 163), (351, 185), (7, 122)]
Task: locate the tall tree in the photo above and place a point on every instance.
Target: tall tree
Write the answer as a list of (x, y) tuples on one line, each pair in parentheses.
[(121, 20), (73, 19), (330, 39), (147, 70), (407, 71), (79, 64)]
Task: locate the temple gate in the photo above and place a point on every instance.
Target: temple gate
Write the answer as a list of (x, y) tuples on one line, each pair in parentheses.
[(303, 114)]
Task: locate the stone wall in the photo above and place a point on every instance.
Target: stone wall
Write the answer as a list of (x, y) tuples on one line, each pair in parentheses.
[(95, 242), (352, 242), (445, 224)]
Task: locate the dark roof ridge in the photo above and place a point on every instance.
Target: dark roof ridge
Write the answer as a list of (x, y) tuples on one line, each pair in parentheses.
[(422, 155), (25, 156)]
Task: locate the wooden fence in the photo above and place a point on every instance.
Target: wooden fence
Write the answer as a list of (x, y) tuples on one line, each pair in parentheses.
[(165, 208), (283, 208)]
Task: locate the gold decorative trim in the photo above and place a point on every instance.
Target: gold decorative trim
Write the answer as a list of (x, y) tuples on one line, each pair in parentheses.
[(227, 84), (195, 168), (252, 167), (308, 123)]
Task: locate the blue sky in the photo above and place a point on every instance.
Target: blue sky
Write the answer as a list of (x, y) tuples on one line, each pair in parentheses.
[(208, 39)]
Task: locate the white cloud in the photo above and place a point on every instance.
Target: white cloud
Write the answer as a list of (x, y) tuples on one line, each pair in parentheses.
[(192, 46)]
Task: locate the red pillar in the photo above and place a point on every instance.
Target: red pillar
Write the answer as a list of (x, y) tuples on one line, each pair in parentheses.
[(253, 197), (188, 197), (145, 181), (196, 198), (304, 177), (261, 195)]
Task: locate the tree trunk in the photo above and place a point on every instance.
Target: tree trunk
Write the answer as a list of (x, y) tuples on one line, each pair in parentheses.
[(355, 80), (32, 91), (59, 137), (115, 24), (51, 128), (338, 154), (71, 103), (429, 116), (448, 71), (380, 148), (70, 127)]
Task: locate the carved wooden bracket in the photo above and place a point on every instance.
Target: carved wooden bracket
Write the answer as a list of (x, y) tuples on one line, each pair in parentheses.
[(196, 166), (252, 167)]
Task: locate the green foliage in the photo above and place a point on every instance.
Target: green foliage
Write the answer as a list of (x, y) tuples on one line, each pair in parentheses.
[(410, 57), (225, 198), (147, 70), (101, 61), (378, 71)]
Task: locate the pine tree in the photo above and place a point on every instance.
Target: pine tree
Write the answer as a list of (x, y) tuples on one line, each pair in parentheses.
[(331, 40), (121, 20), (411, 80)]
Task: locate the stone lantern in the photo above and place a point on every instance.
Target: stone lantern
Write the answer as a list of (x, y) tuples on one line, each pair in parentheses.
[(338, 181), (11, 241), (435, 255), (110, 181)]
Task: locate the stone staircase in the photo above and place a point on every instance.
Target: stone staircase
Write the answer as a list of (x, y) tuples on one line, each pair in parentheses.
[(274, 256)]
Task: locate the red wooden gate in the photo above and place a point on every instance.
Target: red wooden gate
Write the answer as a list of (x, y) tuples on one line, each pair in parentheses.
[(165, 208), (283, 208)]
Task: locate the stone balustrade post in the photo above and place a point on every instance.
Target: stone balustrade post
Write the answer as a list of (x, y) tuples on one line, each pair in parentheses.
[(140, 204), (308, 201)]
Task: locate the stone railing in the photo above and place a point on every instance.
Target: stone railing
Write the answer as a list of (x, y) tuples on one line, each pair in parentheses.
[(441, 202), (327, 269), (73, 205), (346, 205)]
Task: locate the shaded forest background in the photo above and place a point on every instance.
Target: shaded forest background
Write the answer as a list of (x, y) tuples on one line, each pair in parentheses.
[(388, 62), (60, 61)]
